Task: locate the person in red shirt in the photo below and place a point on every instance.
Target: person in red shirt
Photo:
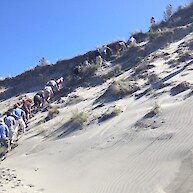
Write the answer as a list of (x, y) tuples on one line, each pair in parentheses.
[(26, 106)]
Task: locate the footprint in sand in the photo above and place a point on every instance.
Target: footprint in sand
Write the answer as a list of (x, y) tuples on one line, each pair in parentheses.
[(39, 190), (8, 178), (165, 136)]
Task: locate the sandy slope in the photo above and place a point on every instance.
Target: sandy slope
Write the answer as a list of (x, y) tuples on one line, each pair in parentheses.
[(113, 156)]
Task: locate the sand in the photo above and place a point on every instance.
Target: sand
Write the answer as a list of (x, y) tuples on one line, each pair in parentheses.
[(128, 153)]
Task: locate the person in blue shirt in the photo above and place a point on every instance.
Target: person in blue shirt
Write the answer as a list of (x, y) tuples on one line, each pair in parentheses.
[(20, 117), (18, 112), (4, 136), (11, 123)]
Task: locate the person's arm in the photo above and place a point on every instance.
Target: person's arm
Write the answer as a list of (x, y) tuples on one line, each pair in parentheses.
[(30, 108), (56, 86), (6, 131), (52, 93), (23, 115), (14, 114), (14, 121)]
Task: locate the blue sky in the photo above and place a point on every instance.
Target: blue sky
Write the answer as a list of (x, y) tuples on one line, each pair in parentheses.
[(60, 29)]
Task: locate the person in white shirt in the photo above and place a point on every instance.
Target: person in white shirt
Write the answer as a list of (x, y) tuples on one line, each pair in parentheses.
[(53, 84), (12, 125), (132, 41)]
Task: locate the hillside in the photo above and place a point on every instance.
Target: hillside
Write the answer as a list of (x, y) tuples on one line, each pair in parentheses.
[(125, 126)]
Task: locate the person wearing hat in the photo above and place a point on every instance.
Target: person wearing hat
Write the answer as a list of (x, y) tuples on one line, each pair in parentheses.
[(4, 136)]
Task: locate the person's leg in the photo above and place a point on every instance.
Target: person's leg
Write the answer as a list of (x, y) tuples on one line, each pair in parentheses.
[(5, 144), (22, 125), (1, 143), (2, 149), (39, 103), (11, 131), (27, 114), (15, 133), (53, 88), (27, 118), (35, 106)]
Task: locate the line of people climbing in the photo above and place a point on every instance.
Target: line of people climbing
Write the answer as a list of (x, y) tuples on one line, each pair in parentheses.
[(105, 52), (16, 119), (47, 93), (102, 55)]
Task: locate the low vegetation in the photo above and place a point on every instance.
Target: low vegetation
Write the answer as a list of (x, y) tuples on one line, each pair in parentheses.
[(152, 78), (52, 112), (119, 88), (111, 112), (156, 107), (154, 111), (116, 71), (90, 69), (79, 117), (183, 86), (168, 12)]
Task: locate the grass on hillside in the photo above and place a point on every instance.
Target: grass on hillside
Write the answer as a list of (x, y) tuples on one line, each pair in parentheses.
[(79, 117)]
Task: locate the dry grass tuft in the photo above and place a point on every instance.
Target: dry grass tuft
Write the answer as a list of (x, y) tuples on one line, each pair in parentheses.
[(183, 86), (156, 107), (116, 71), (120, 88), (79, 117), (111, 112), (91, 69), (153, 78), (52, 112), (154, 111)]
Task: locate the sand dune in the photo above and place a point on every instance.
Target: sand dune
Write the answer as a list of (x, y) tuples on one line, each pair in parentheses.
[(145, 148)]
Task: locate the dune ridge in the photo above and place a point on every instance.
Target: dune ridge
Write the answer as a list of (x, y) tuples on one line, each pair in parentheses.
[(137, 141)]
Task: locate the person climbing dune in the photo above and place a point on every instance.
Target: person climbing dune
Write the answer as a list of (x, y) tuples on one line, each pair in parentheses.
[(20, 116), (26, 106), (48, 93), (4, 139), (11, 123), (59, 83), (53, 84), (39, 100)]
